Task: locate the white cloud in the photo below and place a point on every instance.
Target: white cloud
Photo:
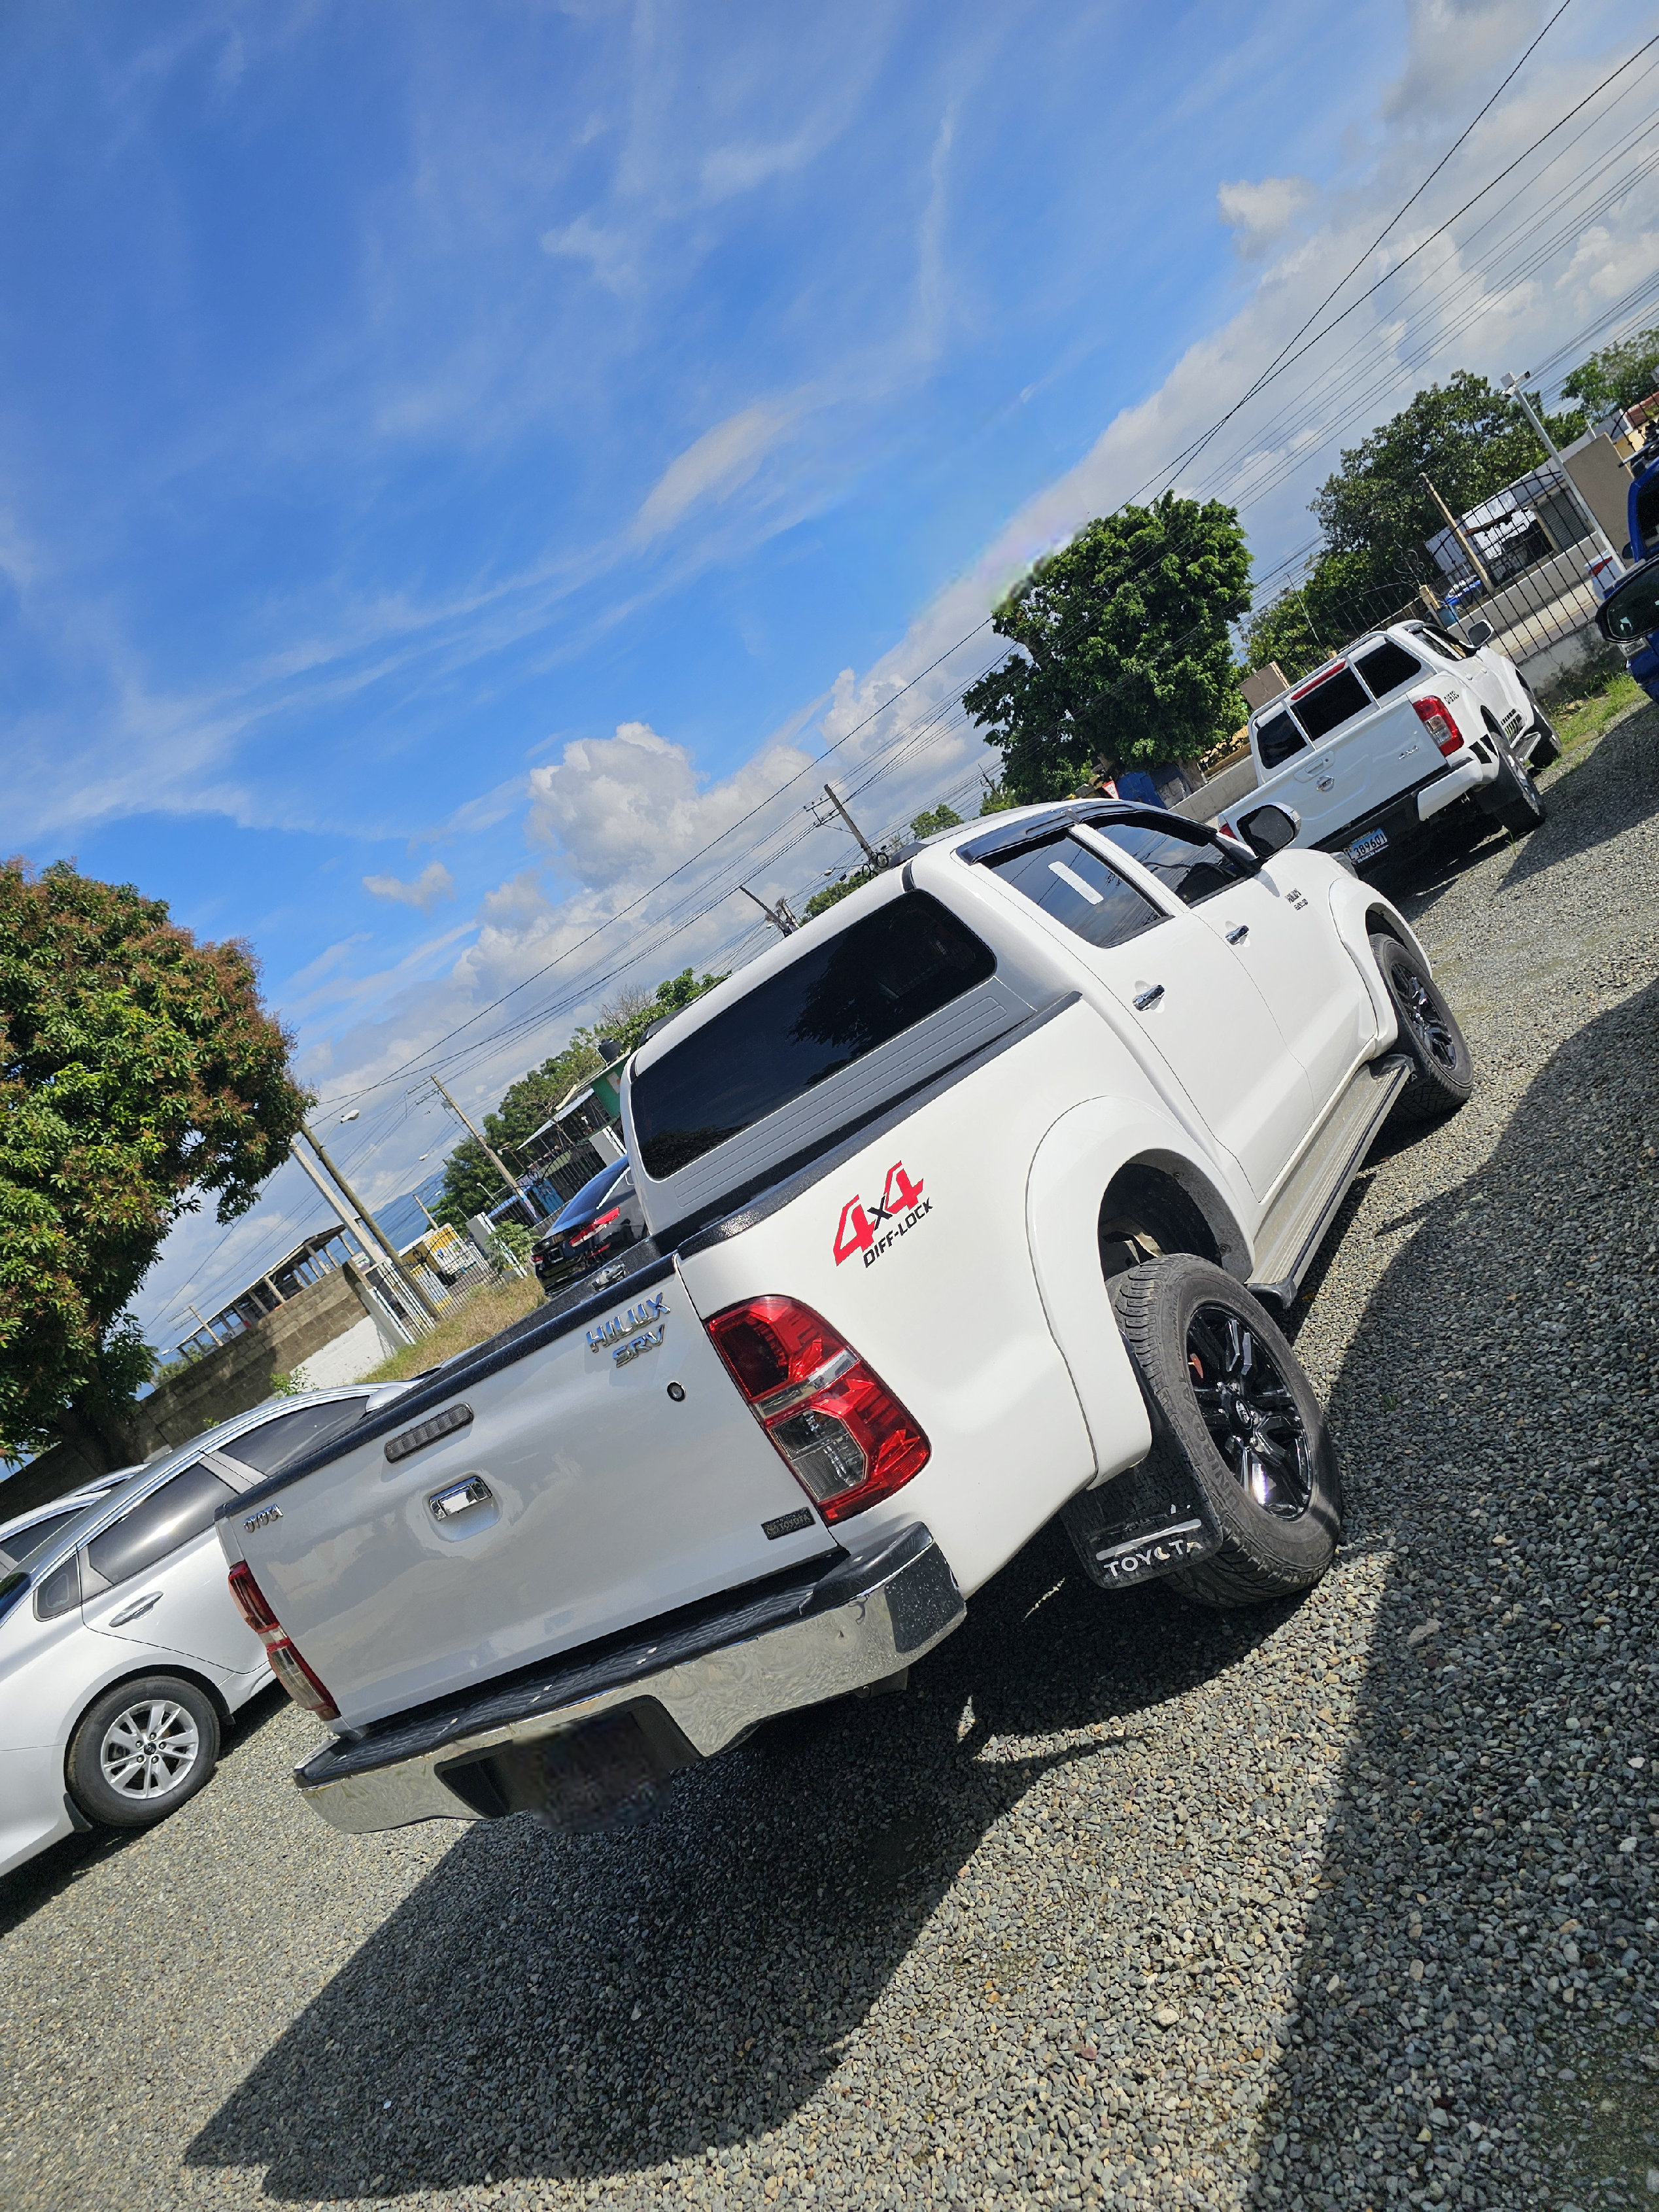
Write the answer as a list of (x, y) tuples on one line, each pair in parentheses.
[(433, 882), (720, 462), (629, 808), (1262, 212)]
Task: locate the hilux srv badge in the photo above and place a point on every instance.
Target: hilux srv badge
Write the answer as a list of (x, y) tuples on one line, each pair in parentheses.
[(628, 1334)]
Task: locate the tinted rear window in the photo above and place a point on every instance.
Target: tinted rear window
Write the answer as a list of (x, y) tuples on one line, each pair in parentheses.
[(290, 1435), (837, 1001), (158, 1524), (1387, 665), (26, 1544), (1277, 738), (1335, 701), (1079, 888)]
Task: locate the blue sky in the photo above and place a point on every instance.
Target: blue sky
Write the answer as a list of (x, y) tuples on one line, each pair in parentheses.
[(459, 461)]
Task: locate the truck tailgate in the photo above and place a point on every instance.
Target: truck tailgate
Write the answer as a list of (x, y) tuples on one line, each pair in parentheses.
[(602, 1501), (1358, 768)]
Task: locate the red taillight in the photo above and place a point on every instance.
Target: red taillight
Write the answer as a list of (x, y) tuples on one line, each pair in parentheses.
[(594, 1227), (841, 1432), (1435, 717), (286, 1664)]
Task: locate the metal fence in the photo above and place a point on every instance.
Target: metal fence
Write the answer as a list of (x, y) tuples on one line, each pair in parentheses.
[(1538, 608)]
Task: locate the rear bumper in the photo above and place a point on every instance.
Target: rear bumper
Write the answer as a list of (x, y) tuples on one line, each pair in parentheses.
[(689, 1690), (1404, 818)]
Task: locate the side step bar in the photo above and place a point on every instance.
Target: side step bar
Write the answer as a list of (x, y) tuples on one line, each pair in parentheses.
[(1316, 1186)]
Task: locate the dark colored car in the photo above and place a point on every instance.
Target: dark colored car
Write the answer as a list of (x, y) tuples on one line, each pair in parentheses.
[(603, 1218)]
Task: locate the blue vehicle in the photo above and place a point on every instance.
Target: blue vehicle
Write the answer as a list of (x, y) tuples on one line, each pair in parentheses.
[(1630, 611)]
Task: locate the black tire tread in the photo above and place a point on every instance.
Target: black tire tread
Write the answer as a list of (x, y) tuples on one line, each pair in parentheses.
[(86, 1790), (1431, 1095), (1245, 1570)]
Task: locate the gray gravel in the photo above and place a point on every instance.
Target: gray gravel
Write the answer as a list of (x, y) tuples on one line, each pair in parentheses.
[(1343, 1904)]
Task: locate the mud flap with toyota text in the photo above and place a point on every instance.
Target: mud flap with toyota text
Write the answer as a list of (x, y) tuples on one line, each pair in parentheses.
[(1140, 1525)]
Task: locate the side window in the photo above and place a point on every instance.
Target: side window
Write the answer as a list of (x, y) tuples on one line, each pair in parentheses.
[(1386, 667), (1194, 868), (1079, 888), (61, 1590), (1277, 738), (289, 1435), (158, 1524)]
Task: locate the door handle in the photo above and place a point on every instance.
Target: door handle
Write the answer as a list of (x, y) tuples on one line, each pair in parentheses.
[(1237, 936), (1149, 997), (132, 1612)]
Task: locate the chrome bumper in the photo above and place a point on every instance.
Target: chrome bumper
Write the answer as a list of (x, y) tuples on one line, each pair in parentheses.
[(865, 1619)]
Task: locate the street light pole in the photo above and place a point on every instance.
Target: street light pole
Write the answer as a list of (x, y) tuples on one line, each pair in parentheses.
[(365, 1221), (1512, 385)]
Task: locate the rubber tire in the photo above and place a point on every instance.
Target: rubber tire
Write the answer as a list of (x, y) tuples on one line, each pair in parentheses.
[(1261, 1557), (1435, 1091), (1515, 801), (1547, 747), (87, 1785)]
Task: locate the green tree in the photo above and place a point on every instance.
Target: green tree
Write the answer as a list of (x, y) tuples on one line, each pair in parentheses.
[(1124, 653), (138, 1072), (1618, 376), (1376, 514), (932, 819), (471, 1184)]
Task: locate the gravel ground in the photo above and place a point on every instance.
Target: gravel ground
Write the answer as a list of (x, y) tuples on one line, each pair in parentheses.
[(1345, 1904)]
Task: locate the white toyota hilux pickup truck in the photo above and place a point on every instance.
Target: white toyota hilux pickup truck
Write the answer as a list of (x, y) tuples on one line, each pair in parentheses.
[(1372, 747), (967, 1204)]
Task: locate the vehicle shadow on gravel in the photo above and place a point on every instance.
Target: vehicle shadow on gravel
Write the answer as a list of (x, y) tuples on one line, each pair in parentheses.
[(1477, 1967), (546, 2007)]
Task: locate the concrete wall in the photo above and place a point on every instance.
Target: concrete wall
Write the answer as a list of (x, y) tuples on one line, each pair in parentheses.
[(232, 1380), (1212, 798)]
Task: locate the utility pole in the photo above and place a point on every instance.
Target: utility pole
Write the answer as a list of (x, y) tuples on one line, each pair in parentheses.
[(876, 859), (1459, 533), (364, 1223), (495, 1157), (1512, 385), (779, 915), (374, 1267)]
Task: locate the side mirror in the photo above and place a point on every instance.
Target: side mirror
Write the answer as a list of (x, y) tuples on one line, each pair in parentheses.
[(1629, 612), (1477, 635), (1269, 830)]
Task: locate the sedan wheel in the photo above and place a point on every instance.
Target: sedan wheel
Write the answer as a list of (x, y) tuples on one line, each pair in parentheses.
[(141, 1749)]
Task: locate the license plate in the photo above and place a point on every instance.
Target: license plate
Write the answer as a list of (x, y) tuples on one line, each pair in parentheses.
[(1368, 847)]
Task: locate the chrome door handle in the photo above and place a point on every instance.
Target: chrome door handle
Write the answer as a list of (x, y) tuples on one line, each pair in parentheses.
[(1237, 936), (1148, 998), (133, 1611)]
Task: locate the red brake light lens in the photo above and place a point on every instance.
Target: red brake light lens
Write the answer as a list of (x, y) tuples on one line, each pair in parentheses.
[(593, 1228), (841, 1432), (1435, 717), (286, 1664)]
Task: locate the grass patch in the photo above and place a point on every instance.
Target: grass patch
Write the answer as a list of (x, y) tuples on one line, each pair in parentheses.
[(1583, 704), (485, 1314)]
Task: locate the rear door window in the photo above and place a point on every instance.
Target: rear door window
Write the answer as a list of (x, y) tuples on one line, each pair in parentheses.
[(1385, 667), (1080, 890), (271, 1447), (1333, 700), (26, 1544), (838, 1000), (158, 1524), (1277, 738)]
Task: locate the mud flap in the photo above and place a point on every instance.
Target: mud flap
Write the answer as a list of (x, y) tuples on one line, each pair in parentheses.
[(1140, 1525)]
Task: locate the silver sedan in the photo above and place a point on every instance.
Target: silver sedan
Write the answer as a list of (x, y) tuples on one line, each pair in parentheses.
[(122, 1653)]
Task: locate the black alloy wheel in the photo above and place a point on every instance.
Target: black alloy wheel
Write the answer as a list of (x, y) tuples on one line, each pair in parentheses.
[(1250, 1413), (1235, 1423), (1429, 1033)]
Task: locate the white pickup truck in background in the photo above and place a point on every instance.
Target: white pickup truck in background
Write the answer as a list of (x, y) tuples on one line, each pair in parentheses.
[(1372, 747), (962, 1205)]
